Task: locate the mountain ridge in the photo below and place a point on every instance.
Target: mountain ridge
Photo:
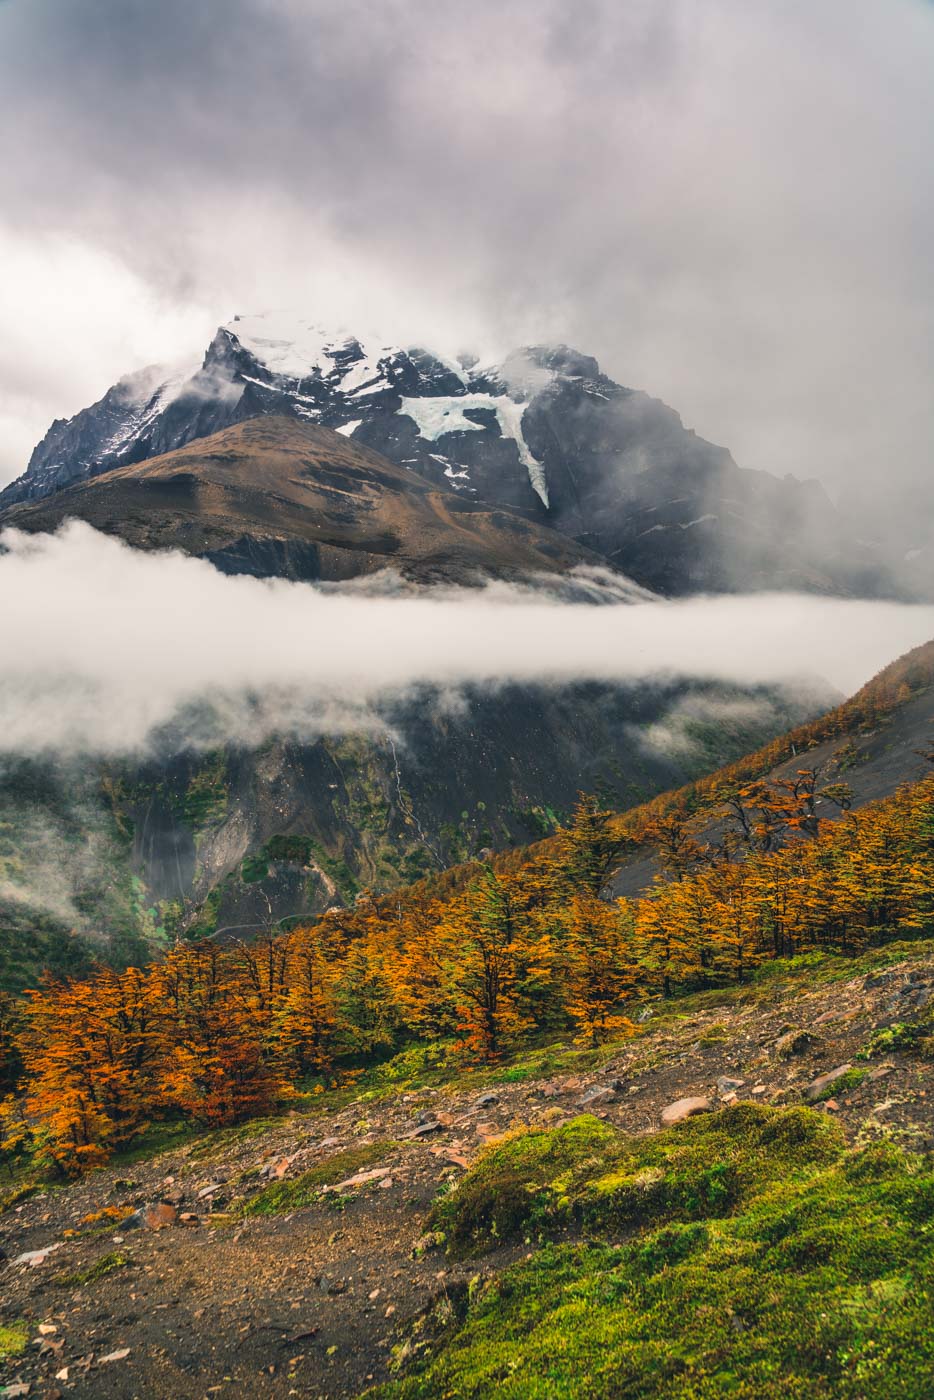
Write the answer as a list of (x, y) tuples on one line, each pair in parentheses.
[(276, 496), (543, 432)]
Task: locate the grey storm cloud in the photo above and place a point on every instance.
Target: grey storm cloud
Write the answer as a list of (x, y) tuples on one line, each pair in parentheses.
[(728, 202)]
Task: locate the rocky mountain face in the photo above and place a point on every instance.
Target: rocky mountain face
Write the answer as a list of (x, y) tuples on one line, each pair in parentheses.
[(543, 433)]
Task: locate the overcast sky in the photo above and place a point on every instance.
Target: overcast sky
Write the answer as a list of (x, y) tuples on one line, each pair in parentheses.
[(729, 202)]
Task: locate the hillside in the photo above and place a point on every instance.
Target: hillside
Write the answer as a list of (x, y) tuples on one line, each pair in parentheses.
[(101, 856), (413, 1234), (491, 1131), (274, 496)]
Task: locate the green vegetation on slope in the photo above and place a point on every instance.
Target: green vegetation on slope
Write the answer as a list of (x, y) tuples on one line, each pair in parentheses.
[(750, 1254)]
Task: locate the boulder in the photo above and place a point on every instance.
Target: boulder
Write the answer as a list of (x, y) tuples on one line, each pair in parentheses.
[(684, 1108), (597, 1094)]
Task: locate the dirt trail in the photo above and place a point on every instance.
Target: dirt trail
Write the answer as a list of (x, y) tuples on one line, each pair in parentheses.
[(312, 1303)]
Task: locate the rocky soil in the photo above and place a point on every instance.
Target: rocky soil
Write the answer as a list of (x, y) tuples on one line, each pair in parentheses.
[(148, 1280)]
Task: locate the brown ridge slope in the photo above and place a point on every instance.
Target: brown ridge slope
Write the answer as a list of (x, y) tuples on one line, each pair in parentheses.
[(276, 496)]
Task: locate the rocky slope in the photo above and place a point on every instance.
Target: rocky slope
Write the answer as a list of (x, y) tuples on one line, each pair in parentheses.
[(543, 432), (291, 1256)]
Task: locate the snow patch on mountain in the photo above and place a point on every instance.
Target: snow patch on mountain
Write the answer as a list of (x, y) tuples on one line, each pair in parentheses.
[(438, 415), (296, 348)]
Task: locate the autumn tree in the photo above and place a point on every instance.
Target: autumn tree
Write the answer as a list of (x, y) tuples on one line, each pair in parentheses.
[(599, 969)]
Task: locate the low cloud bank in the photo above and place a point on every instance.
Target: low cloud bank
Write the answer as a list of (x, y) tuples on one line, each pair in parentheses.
[(109, 650)]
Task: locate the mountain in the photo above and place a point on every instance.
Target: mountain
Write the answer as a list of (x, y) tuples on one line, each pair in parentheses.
[(280, 496), (543, 433)]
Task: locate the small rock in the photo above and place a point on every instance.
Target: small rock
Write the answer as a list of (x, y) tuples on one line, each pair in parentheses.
[(644, 1015), (120, 1355), (361, 1178), (758, 1089), (597, 1094), (209, 1190), (426, 1129), (35, 1257), (154, 1216), (189, 1218), (878, 979), (726, 1085), (46, 1329), (843, 1015), (832, 1106), (683, 1108), (386, 1182), (794, 1043), (881, 1073), (818, 1085), (485, 1100)]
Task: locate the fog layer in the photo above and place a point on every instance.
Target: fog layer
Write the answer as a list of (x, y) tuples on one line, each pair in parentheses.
[(103, 647)]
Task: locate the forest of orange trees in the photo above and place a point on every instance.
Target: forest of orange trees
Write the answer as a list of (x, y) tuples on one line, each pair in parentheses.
[(218, 1031)]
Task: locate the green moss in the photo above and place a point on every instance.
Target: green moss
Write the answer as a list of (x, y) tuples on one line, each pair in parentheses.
[(520, 1182), (253, 870), (204, 800), (905, 1037), (587, 1172), (844, 1085), (106, 1264), (13, 1195), (282, 1197), (14, 1339), (817, 1285)]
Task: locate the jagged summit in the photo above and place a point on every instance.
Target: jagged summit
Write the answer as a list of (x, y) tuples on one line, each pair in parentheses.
[(542, 432)]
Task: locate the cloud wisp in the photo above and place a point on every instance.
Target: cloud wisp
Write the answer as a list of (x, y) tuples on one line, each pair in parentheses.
[(108, 650)]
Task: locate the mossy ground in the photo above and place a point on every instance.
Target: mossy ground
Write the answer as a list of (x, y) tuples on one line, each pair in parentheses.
[(281, 1197), (106, 1264), (586, 1172), (14, 1339), (751, 1254)]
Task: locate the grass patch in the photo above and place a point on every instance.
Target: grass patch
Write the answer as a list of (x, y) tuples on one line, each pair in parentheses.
[(847, 1082), (588, 1173), (906, 1037), (157, 1138), (814, 1282), (16, 1194), (282, 1197), (14, 1339), (106, 1264), (215, 1144)]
